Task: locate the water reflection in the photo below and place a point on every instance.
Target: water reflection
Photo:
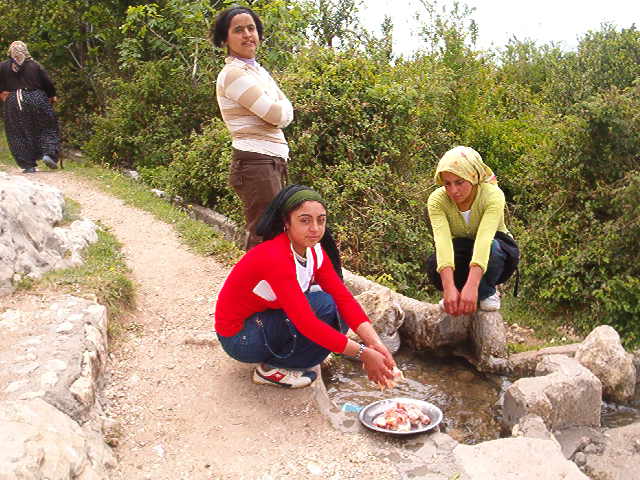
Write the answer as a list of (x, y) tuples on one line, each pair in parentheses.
[(618, 415), (467, 398)]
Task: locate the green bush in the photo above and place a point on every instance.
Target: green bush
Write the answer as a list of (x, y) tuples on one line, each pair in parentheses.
[(583, 243), (199, 170), (147, 114)]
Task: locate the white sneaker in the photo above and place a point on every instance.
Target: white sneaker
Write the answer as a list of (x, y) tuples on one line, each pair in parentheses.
[(490, 304), (283, 377)]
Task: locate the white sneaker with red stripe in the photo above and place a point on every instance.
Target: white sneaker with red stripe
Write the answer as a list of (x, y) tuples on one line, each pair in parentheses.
[(283, 377)]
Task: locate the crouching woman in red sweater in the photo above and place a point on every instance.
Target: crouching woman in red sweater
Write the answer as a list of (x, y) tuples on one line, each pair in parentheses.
[(284, 305)]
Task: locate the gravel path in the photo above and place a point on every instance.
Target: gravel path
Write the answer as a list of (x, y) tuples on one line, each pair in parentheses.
[(188, 411)]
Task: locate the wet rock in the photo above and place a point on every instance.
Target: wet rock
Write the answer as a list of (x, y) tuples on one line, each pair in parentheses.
[(577, 439), (385, 315), (615, 456), (427, 327), (489, 338), (603, 354), (563, 394), (30, 242), (580, 459)]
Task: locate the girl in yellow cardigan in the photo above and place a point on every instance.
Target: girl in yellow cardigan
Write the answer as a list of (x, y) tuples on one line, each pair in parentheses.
[(467, 216)]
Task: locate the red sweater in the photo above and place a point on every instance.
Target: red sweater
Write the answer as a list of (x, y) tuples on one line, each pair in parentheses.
[(271, 264)]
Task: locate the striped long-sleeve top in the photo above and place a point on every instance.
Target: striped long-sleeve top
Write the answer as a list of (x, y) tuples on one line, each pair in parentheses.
[(253, 108)]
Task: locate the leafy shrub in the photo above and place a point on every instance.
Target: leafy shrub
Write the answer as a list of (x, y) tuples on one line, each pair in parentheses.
[(584, 243), (199, 170), (147, 114)]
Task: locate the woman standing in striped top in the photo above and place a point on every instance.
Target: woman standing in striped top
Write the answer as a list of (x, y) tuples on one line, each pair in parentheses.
[(255, 111)]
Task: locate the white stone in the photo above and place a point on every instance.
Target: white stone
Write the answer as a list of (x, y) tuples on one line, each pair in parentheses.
[(30, 243), (29, 357), (563, 394), (56, 365), (603, 354), (10, 319), (39, 441), (518, 458), (26, 369), (65, 327), (314, 468), (96, 338), (75, 318), (83, 390), (15, 386), (48, 379)]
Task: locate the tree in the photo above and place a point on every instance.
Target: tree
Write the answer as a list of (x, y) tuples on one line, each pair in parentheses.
[(335, 19)]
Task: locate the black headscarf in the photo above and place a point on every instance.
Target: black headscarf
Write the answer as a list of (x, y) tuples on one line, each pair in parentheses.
[(271, 224)]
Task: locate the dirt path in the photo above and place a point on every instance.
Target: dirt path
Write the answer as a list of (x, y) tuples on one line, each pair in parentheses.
[(189, 411)]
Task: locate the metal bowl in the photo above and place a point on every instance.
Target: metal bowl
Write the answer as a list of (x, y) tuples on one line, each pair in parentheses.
[(371, 411)]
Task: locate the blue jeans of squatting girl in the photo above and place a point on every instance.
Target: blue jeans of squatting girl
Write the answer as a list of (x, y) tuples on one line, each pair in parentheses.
[(270, 337), (462, 252), (495, 267)]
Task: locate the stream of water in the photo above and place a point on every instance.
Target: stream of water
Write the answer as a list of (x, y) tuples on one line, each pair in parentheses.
[(469, 400)]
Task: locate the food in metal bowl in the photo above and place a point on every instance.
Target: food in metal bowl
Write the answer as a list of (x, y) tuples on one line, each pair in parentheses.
[(403, 417)]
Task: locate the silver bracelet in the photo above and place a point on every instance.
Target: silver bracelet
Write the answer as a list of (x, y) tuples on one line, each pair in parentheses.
[(360, 350)]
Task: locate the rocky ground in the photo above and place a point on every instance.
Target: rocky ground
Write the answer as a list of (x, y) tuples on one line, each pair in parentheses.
[(186, 409)]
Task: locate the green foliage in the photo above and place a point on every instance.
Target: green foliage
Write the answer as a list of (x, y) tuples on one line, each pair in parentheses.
[(583, 244), (560, 129), (199, 169), (147, 114), (76, 42), (334, 19)]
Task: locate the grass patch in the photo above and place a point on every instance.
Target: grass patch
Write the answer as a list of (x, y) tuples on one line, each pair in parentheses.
[(5, 155), (71, 212), (549, 330), (197, 235), (103, 277)]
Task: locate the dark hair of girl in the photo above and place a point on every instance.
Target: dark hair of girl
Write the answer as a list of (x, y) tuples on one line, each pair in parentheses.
[(220, 29), (272, 223)]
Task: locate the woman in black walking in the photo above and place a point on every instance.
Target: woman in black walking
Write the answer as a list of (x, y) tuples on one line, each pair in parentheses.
[(30, 123)]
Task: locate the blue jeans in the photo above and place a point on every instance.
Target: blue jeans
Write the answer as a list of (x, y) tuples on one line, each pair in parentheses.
[(270, 337), (463, 251), (495, 267)]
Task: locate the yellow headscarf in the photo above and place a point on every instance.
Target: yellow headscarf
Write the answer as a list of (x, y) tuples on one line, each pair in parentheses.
[(466, 163)]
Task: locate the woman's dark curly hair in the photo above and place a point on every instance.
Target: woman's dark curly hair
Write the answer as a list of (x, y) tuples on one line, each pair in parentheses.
[(220, 29)]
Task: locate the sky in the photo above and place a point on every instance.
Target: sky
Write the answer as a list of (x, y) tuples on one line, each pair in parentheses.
[(560, 21)]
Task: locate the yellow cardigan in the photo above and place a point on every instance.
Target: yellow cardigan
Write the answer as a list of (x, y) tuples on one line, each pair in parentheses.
[(487, 217)]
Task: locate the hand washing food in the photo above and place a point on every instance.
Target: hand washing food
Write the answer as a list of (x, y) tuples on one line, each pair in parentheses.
[(403, 417), (398, 376)]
